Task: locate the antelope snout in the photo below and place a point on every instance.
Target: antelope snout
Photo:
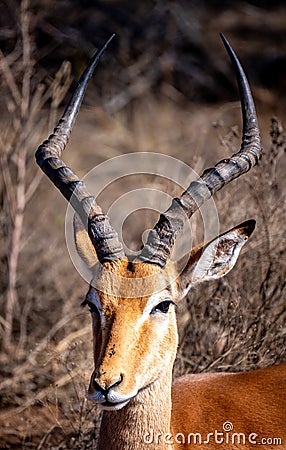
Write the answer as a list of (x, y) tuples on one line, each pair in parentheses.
[(103, 391), (105, 385)]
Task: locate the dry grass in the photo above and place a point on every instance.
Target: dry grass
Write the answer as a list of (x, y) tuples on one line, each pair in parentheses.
[(244, 318), (238, 323)]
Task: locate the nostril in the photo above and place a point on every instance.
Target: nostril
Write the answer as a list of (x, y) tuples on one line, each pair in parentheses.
[(120, 379), (109, 385), (97, 386)]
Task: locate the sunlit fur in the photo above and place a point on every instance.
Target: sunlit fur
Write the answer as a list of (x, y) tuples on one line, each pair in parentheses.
[(135, 340), (128, 328), (134, 351)]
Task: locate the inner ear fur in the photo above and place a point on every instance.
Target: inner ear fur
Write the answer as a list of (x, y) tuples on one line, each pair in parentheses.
[(216, 258), (83, 244)]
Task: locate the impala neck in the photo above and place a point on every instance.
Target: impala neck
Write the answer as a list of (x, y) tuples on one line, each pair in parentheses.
[(143, 423)]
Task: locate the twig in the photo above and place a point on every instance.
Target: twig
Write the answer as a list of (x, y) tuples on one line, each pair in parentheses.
[(27, 60), (15, 245), (10, 80)]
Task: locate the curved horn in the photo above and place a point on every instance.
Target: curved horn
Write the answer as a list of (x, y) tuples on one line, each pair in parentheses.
[(102, 235), (161, 239)]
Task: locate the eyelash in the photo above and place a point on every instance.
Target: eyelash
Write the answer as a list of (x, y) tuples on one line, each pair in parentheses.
[(162, 307)]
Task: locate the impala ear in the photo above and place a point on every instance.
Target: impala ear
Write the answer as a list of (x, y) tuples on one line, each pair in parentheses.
[(85, 249), (216, 258)]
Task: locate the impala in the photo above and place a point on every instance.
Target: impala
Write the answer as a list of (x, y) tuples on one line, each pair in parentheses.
[(132, 304)]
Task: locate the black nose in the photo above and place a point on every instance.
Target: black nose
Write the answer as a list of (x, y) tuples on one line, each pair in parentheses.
[(105, 390)]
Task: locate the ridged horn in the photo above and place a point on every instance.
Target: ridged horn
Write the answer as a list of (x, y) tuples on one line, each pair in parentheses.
[(103, 237), (161, 239)]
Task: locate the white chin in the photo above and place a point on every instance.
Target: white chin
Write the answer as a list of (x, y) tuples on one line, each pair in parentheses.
[(112, 406)]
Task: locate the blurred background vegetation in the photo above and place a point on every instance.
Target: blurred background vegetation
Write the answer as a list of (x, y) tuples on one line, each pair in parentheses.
[(165, 85)]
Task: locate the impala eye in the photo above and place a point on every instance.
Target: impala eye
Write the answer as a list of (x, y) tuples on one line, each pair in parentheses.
[(92, 308), (162, 307)]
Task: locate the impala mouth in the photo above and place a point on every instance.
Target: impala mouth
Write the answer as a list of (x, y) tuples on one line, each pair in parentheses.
[(113, 406), (111, 403)]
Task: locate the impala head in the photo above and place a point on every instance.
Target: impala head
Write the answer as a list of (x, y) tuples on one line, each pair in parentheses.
[(133, 301)]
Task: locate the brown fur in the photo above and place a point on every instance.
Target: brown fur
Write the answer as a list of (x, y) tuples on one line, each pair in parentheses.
[(254, 402), (139, 348)]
